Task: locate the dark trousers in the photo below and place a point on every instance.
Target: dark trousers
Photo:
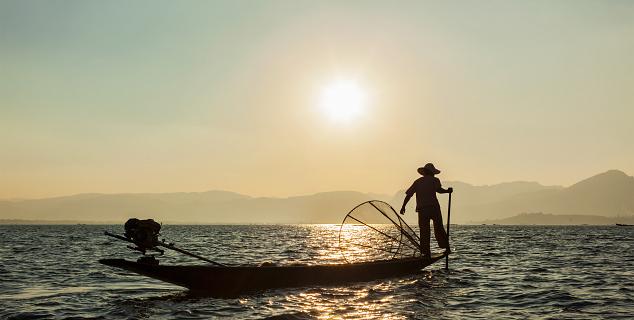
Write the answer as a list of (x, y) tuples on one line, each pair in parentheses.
[(426, 213)]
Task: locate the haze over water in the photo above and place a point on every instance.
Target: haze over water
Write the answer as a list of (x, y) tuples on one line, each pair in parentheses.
[(506, 272)]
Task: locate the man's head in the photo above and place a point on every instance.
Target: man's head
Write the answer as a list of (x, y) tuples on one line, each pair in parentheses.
[(428, 170)]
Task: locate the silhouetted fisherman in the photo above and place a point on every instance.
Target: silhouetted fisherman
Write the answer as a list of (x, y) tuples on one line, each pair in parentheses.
[(428, 207)]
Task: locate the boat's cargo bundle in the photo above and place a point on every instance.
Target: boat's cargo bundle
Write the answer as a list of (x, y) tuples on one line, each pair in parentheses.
[(143, 233)]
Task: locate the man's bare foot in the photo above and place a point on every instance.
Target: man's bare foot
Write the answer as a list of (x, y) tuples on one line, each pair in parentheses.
[(426, 255)]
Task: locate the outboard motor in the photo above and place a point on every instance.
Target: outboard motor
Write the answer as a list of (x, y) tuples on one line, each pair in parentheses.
[(144, 233)]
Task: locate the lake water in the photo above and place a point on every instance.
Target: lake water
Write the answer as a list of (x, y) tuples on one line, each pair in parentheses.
[(511, 272)]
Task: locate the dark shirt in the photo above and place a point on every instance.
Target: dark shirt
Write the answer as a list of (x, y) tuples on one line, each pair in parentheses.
[(425, 188)]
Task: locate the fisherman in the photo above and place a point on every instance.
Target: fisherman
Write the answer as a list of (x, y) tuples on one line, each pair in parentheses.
[(428, 207)]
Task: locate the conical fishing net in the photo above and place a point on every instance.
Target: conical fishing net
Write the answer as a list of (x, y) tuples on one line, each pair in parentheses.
[(374, 231)]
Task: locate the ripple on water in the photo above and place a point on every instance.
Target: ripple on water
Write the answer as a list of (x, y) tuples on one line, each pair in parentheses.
[(496, 272)]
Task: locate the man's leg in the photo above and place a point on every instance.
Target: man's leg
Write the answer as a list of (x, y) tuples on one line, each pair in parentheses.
[(423, 224), (439, 229)]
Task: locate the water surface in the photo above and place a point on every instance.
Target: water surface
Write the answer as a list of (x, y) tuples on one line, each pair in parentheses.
[(512, 272)]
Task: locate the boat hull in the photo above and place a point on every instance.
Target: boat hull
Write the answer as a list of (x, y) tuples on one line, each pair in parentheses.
[(231, 281)]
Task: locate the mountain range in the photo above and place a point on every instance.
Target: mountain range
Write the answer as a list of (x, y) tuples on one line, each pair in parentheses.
[(608, 194)]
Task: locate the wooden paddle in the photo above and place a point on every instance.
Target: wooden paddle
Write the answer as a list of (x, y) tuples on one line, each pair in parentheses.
[(162, 244), (448, 224)]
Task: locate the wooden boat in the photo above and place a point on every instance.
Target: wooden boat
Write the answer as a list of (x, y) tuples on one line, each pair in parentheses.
[(398, 253), (231, 281), (624, 225)]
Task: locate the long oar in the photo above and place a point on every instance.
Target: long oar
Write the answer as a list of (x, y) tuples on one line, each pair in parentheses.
[(168, 246), (448, 224)]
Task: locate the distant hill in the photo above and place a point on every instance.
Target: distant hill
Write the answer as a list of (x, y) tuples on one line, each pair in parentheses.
[(609, 194), (556, 219), (468, 194), (476, 195), (201, 207)]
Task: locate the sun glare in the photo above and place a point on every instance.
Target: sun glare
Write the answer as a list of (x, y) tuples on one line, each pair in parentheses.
[(343, 100)]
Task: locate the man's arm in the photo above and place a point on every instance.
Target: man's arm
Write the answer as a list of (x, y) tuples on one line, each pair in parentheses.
[(440, 189), (407, 197)]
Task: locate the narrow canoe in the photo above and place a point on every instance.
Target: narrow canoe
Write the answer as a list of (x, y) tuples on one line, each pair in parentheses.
[(231, 281)]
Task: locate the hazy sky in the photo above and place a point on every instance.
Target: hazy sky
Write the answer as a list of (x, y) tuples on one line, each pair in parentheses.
[(151, 96)]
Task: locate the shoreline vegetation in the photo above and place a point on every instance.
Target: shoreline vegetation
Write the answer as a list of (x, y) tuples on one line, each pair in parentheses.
[(524, 219), (539, 218)]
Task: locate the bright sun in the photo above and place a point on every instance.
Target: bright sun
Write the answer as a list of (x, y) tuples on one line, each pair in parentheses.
[(343, 100)]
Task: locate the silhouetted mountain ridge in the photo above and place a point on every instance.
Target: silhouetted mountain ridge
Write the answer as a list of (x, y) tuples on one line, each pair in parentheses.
[(607, 194)]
